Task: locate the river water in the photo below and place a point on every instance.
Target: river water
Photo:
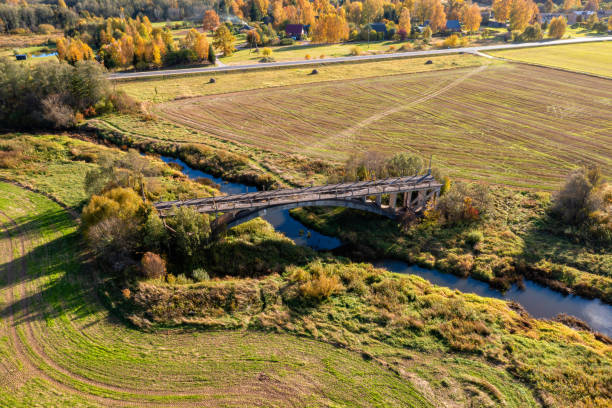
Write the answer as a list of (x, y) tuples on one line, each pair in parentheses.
[(538, 300)]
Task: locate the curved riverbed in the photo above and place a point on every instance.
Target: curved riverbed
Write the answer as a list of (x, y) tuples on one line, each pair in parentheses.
[(538, 300)]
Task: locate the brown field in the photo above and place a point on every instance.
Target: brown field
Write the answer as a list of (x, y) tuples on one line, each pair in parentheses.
[(512, 124)]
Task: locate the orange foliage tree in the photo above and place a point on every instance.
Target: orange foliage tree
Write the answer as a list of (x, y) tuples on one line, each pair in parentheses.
[(210, 21), (557, 27), (73, 50), (330, 28), (471, 17)]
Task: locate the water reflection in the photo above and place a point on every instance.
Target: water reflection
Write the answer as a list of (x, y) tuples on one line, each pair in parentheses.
[(538, 300)]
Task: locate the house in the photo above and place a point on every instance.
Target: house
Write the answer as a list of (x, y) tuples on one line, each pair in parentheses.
[(21, 57), (379, 27), (453, 26), (295, 30)]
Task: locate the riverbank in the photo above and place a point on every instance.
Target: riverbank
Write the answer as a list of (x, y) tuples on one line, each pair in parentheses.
[(517, 241)]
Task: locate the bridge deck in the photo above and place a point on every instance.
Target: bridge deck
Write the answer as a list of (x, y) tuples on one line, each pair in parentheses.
[(345, 191)]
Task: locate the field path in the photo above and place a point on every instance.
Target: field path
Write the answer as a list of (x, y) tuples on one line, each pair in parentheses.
[(347, 133)]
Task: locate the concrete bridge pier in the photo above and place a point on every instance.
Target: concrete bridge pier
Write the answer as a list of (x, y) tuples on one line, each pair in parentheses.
[(392, 200)]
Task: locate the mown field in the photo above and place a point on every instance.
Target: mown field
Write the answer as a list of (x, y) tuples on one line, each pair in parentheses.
[(511, 124), (592, 58), (165, 89)]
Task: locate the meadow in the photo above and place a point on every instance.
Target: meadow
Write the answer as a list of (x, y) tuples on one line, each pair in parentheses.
[(591, 58), (509, 124), (62, 347)]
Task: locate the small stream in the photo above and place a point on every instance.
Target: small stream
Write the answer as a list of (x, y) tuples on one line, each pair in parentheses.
[(538, 300)]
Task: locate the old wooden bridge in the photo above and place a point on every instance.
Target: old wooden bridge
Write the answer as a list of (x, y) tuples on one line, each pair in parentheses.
[(401, 194)]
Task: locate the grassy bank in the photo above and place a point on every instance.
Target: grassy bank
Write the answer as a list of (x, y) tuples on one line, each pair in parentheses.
[(517, 240)]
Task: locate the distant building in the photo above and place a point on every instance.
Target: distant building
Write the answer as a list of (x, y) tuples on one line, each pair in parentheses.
[(295, 30), (21, 57), (453, 26), (379, 27)]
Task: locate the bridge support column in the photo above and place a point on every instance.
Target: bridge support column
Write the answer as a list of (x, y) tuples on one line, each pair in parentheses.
[(392, 200), (406, 200), (378, 199), (420, 199)]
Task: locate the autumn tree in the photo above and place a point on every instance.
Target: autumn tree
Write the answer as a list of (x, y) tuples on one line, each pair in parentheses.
[(454, 9), (571, 4), (73, 50), (471, 17), (305, 12), (557, 27), (522, 12), (438, 17), (330, 28), (501, 9), (223, 40), (610, 23), (404, 20), (372, 10), (549, 7), (355, 12), (210, 21), (278, 12), (197, 42), (431, 10)]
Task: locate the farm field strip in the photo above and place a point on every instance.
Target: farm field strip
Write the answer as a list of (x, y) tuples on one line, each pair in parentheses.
[(592, 58), (520, 125), (66, 351)]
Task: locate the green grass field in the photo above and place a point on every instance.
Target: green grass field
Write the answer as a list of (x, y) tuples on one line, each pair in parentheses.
[(509, 124), (592, 58), (59, 347)]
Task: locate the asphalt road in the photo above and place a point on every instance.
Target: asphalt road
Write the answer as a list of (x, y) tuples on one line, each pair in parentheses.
[(472, 50)]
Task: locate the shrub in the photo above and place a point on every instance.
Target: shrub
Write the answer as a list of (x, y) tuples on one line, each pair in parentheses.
[(59, 114), (532, 33), (557, 27), (320, 287), (200, 275), (153, 266), (287, 41), (46, 28), (266, 52), (464, 202), (473, 237), (181, 279), (356, 51), (454, 41), (307, 56), (118, 202), (189, 234), (576, 200)]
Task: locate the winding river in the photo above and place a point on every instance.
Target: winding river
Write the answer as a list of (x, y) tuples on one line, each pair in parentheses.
[(538, 300)]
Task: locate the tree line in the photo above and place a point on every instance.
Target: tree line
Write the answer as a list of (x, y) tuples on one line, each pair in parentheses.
[(126, 42), (55, 95)]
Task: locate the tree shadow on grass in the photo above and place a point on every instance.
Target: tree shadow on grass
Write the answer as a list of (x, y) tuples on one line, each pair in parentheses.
[(50, 273)]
